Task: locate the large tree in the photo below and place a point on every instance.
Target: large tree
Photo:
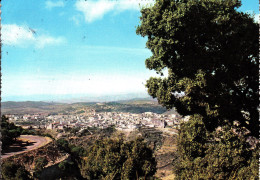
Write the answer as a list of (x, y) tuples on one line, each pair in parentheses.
[(210, 50)]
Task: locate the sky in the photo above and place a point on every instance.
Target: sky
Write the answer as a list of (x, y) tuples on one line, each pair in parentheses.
[(75, 48)]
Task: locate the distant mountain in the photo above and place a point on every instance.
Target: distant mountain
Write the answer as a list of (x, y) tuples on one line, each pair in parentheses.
[(25, 104), (82, 101), (42, 104), (148, 100), (74, 98), (107, 98), (136, 105)]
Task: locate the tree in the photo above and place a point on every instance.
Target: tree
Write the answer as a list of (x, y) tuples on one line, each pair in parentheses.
[(214, 155), (9, 132), (67, 168), (210, 50), (11, 171), (39, 165), (116, 159), (63, 145), (77, 151)]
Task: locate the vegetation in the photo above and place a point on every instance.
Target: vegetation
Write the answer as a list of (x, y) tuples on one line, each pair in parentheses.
[(76, 151), (116, 159), (40, 163), (66, 167), (208, 47), (78, 108), (9, 132), (33, 104), (131, 108), (214, 155), (11, 171), (109, 159), (152, 136), (80, 112), (63, 145), (210, 51)]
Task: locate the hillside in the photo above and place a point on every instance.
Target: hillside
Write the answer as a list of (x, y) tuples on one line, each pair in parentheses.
[(131, 106), (25, 104)]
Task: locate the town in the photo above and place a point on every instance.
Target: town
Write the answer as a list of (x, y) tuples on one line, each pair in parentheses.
[(120, 120)]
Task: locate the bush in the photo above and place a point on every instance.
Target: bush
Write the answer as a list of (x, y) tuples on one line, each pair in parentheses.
[(48, 135), (192, 138), (221, 154), (66, 166), (78, 151), (9, 132), (27, 131), (11, 171), (40, 163), (116, 159), (63, 145)]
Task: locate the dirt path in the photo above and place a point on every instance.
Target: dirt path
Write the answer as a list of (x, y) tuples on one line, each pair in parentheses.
[(25, 143)]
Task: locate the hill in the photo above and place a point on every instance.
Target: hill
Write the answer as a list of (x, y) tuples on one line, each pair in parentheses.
[(25, 104), (137, 105)]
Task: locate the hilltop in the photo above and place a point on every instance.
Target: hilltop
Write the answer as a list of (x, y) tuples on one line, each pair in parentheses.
[(23, 104), (136, 105)]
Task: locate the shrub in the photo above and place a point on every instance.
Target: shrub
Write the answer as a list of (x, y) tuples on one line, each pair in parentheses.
[(221, 154), (66, 166), (78, 151), (40, 163), (11, 171), (116, 159), (63, 145), (9, 132)]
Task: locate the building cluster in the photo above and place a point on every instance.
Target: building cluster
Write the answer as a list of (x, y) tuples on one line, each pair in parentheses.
[(121, 120)]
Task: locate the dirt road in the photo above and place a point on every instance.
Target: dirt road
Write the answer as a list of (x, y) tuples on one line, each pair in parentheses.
[(25, 143)]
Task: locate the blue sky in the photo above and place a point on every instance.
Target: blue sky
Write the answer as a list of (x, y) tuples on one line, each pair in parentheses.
[(74, 47)]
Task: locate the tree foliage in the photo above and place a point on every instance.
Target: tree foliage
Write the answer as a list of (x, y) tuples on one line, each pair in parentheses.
[(9, 132), (210, 50), (63, 145), (67, 168), (11, 171), (40, 163), (221, 154), (76, 151), (116, 159)]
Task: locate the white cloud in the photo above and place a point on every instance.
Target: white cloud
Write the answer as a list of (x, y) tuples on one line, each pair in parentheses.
[(24, 36), (44, 40), (14, 35), (94, 10), (132, 4), (50, 4)]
